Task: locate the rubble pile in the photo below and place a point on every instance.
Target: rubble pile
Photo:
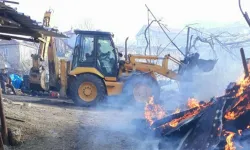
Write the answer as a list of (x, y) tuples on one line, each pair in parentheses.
[(221, 123)]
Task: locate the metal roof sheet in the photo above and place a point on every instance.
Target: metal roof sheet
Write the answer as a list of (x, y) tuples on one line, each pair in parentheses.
[(14, 22)]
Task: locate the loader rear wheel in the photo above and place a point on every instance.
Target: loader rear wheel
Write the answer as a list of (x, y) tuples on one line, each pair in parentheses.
[(87, 90), (140, 87)]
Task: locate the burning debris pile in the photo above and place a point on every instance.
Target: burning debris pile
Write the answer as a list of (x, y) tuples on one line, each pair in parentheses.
[(221, 124)]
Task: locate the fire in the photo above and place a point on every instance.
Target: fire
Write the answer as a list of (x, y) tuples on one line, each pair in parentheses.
[(232, 115), (240, 132), (192, 103), (153, 111), (237, 111), (229, 140), (175, 122), (178, 110), (243, 82), (241, 98), (188, 115)]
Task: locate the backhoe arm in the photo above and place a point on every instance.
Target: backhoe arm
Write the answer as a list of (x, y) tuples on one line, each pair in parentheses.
[(45, 40), (46, 49), (134, 65)]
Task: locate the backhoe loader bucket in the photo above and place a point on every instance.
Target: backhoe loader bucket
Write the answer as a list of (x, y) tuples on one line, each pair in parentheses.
[(193, 60), (206, 65)]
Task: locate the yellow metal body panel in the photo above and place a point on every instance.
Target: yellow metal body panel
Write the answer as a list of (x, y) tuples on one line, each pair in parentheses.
[(110, 79), (114, 88), (79, 70), (133, 65)]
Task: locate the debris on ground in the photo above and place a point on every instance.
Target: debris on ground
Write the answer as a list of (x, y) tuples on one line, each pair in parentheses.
[(59, 124), (211, 125)]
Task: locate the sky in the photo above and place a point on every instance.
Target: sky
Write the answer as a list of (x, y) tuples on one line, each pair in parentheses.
[(126, 17)]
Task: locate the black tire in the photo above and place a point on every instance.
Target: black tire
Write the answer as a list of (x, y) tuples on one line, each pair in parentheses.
[(76, 83), (144, 79)]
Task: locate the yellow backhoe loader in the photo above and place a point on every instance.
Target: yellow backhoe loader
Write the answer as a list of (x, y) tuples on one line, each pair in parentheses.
[(96, 69)]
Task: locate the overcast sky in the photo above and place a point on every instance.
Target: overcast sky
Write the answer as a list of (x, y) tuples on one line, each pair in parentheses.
[(126, 17)]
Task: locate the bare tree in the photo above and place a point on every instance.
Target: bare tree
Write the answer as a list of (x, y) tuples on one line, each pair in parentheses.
[(87, 24), (221, 39)]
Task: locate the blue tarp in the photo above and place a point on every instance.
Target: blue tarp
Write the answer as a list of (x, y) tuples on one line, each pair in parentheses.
[(16, 81)]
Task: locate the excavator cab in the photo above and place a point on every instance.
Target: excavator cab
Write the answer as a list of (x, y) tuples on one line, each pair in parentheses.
[(96, 49)]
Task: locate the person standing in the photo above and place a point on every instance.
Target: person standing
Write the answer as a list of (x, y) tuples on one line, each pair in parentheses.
[(5, 80)]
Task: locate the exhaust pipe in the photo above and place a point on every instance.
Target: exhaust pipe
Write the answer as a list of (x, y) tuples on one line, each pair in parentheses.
[(126, 49)]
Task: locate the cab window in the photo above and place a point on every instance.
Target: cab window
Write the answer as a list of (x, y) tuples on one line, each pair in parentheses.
[(106, 57), (76, 52), (87, 49)]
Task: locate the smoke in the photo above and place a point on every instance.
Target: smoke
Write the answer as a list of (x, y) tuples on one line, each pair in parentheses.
[(215, 82), (241, 141), (114, 123), (205, 85)]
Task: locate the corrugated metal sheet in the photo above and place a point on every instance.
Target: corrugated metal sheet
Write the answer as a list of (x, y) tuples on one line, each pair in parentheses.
[(13, 22)]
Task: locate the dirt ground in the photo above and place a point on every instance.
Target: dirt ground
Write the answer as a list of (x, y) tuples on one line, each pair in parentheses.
[(54, 124)]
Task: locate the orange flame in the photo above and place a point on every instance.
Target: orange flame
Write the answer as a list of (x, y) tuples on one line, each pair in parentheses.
[(178, 110), (238, 111), (175, 122), (229, 140), (188, 115), (232, 115), (240, 132), (192, 103), (153, 111), (243, 82)]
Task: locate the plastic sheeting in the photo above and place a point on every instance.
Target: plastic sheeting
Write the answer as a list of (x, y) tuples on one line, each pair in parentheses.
[(16, 81)]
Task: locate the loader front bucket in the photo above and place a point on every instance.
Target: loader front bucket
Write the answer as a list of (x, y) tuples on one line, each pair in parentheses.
[(206, 65)]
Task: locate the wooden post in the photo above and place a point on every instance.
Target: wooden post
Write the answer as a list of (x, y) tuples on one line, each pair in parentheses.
[(4, 131), (63, 77), (244, 62), (1, 143), (68, 67)]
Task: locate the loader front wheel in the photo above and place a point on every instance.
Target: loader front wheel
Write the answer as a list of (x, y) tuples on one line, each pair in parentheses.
[(139, 88), (87, 90)]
